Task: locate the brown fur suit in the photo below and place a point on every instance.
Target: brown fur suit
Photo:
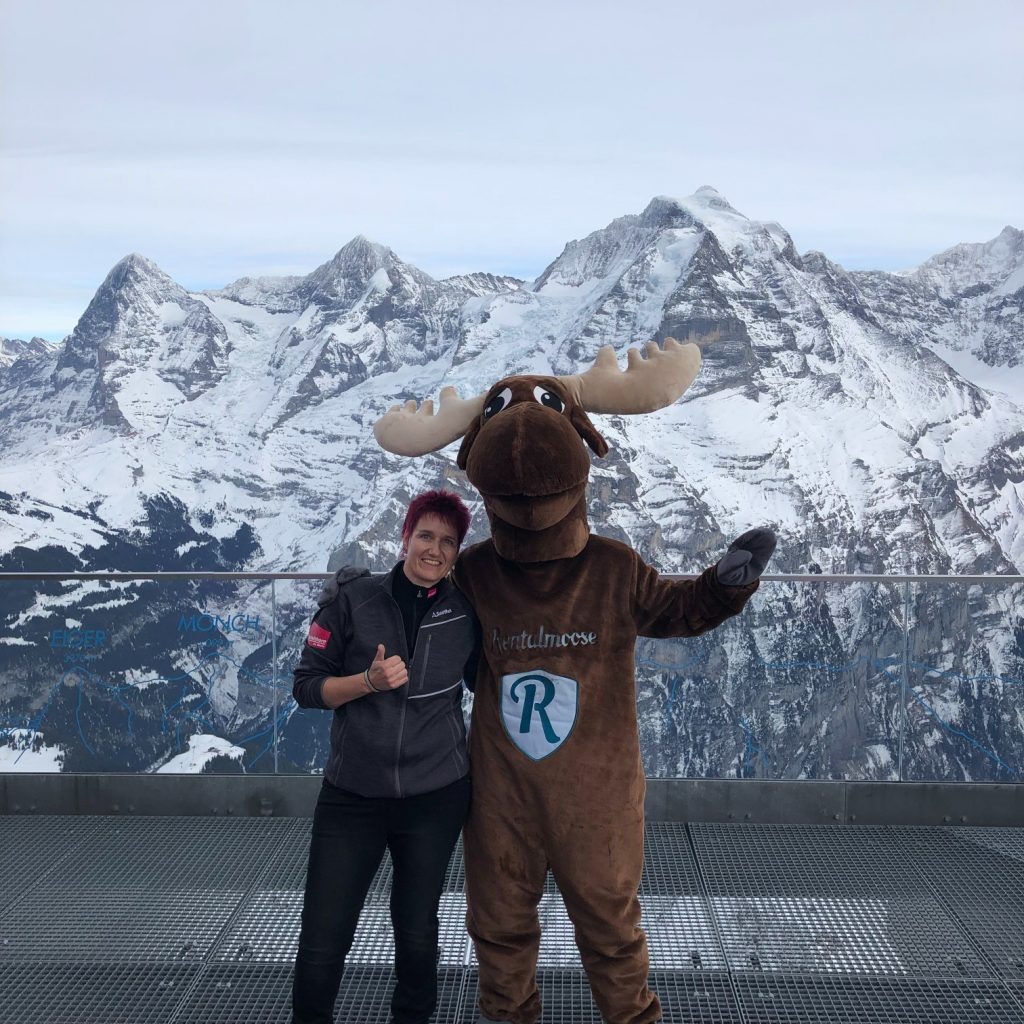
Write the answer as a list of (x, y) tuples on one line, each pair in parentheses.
[(557, 777)]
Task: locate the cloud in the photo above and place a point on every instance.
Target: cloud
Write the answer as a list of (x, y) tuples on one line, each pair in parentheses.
[(236, 139)]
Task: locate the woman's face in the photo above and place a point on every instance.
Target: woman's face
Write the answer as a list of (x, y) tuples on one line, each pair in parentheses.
[(430, 550)]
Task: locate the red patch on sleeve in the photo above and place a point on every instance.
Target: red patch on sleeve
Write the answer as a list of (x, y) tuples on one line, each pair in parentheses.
[(318, 636)]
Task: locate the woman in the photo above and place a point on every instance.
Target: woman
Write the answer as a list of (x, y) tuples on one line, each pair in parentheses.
[(389, 654)]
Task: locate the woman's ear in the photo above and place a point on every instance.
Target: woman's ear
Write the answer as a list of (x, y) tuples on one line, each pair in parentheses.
[(467, 442), (581, 421)]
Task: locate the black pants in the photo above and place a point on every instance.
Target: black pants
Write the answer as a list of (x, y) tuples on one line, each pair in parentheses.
[(350, 834)]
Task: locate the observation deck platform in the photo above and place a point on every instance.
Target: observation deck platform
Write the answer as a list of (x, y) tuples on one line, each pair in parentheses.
[(129, 896), (176, 919)]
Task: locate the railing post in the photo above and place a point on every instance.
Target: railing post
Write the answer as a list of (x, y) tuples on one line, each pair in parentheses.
[(906, 672), (273, 655)]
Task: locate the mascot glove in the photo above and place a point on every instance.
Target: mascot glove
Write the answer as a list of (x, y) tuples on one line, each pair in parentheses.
[(746, 558)]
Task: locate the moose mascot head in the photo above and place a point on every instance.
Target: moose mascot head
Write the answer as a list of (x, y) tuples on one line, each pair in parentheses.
[(521, 441)]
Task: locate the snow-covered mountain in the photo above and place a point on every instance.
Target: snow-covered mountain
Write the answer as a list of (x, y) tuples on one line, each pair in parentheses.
[(875, 420), (14, 349)]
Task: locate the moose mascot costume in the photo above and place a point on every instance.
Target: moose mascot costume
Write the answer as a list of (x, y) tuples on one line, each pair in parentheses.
[(558, 780)]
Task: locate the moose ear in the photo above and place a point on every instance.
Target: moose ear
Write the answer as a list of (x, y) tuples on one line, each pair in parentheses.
[(467, 442), (581, 421)]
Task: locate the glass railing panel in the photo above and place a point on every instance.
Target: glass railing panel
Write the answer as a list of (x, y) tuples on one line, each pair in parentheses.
[(965, 707), (804, 684), (304, 735), (144, 675), (136, 676)]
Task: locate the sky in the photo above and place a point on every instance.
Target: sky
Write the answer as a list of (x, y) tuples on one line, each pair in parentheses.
[(229, 139)]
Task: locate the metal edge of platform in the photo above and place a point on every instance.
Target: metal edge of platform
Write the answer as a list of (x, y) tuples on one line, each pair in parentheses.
[(712, 800), (771, 801)]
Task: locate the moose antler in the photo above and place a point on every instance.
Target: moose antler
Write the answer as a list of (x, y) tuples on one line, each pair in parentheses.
[(645, 384), (406, 430)]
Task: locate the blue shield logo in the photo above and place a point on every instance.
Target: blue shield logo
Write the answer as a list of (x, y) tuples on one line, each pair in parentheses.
[(538, 710)]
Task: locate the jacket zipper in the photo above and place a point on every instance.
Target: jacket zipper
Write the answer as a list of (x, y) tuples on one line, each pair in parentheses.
[(426, 660), (405, 699)]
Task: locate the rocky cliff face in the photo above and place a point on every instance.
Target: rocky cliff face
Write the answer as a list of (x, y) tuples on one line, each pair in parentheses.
[(873, 419)]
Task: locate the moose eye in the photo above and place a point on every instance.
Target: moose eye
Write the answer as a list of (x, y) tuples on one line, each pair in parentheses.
[(548, 398), (497, 403)]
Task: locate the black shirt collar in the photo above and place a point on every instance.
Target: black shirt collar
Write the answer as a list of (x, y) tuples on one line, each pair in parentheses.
[(400, 585)]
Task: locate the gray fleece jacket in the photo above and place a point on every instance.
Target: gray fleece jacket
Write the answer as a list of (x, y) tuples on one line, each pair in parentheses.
[(406, 741)]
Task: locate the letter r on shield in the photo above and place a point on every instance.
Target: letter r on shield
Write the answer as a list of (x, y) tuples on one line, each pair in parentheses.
[(538, 710)]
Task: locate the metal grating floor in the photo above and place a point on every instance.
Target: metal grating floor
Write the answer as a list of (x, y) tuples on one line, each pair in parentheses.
[(172, 920)]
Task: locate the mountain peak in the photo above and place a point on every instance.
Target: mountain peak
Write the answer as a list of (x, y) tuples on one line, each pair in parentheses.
[(706, 208), (342, 279), (360, 247), (709, 196), (702, 206), (137, 260), (972, 265), (135, 287), (663, 212), (134, 269), (613, 248), (706, 197), (357, 259), (13, 349), (134, 280)]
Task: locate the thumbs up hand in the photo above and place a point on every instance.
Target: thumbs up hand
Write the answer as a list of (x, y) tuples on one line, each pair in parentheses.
[(387, 673)]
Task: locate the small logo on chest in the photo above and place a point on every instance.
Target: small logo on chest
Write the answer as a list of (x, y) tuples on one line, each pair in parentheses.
[(441, 612)]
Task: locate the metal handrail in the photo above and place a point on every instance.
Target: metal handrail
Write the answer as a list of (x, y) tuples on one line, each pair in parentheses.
[(905, 584), (767, 577)]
